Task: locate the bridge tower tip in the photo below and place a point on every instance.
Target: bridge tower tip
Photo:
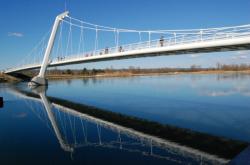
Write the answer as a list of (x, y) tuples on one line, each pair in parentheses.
[(63, 15)]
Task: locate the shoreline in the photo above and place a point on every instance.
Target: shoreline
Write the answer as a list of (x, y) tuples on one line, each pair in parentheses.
[(110, 75), (9, 79), (4, 78)]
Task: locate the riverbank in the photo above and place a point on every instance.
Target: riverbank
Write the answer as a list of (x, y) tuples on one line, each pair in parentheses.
[(132, 71), (129, 74), (74, 74), (7, 79)]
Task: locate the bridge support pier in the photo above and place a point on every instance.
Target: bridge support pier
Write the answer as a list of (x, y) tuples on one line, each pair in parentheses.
[(40, 79)]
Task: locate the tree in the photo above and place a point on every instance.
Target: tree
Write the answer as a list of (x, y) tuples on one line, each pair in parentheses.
[(84, 71), (94, 71), (68, 71)]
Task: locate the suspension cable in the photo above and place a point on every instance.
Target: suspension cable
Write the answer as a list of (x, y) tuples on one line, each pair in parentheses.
[(117, 38), (181, 31), (96, 39), (139, 36), (80, 41), (69, 35)]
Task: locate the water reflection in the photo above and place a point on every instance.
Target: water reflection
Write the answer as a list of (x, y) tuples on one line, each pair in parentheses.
[(232, 76), (75, 129), (243, 90), (69, 81), (215, 90)]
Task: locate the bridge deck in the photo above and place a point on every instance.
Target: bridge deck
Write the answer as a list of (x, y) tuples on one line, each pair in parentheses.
[(222, 42)]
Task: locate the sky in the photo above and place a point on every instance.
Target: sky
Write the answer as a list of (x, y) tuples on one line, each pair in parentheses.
[(24, 22)]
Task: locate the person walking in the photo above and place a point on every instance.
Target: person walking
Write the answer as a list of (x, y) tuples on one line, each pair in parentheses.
[(162, 41)]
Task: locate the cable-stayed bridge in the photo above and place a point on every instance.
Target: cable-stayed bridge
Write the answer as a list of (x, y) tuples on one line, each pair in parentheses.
[(73, 41)]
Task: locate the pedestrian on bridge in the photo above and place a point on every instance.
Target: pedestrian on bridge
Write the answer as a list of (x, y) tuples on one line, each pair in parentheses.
[(162, 41), (120, 49), (106, 50)]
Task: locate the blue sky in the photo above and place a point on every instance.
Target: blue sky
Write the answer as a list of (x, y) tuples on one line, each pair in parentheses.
[(24, 22)]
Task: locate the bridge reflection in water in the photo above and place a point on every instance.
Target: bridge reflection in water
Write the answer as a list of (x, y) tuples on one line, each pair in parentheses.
[(74, 129)]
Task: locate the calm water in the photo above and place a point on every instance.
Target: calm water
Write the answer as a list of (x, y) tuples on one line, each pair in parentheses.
[(38, 127)]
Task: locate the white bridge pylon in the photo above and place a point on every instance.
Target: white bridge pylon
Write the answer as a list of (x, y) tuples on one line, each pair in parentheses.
[(93, 43), (40, 79)]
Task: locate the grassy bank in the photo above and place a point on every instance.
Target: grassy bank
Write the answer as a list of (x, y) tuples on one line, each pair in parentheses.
[(2, 78), (7, 79)]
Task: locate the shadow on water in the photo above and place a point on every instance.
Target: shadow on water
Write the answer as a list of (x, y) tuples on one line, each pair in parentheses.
[(131, 134)]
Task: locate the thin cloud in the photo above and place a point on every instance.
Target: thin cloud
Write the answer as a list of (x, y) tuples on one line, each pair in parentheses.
[(15, 34)]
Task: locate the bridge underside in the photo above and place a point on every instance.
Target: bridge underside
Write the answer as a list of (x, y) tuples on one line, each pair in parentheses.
[(164, 53), (21, 76)]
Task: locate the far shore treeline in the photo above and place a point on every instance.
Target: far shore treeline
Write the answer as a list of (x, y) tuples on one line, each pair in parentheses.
[(137, 70), (131, 71)]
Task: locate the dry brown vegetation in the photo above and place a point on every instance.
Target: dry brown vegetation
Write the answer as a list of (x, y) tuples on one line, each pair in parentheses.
[(131, 71), (6, 78)]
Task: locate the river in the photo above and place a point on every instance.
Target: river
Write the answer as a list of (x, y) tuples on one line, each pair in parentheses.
[(172, 119)]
